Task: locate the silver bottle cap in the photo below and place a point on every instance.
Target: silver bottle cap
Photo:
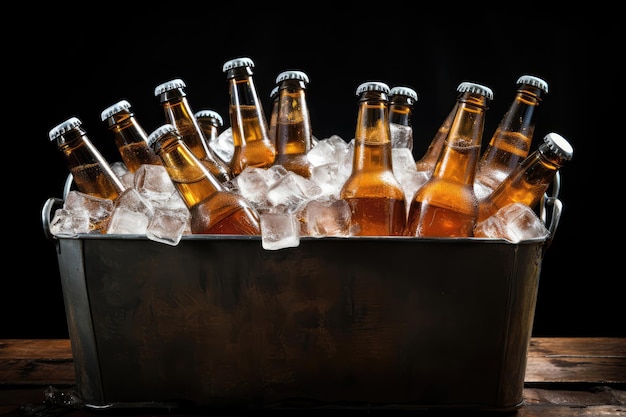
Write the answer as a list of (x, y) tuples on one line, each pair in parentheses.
[(476, 89), (559, 145), (121, 105), (64, 127), (210, 114), (372, 86), (403, 91), (160, 131), (169, 85), (292, 75), (238, 62), (274, 92), (534, 81)]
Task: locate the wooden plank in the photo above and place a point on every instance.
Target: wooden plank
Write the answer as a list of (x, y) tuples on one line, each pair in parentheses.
[(577, 360), (552, 359), (36, 362)]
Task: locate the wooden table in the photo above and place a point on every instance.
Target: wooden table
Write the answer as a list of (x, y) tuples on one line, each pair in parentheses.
[(565, 377)]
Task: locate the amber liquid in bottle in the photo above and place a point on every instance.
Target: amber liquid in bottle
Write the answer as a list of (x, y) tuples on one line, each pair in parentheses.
[(130, 138), (446, 206), (213, 209), (178, 113), (512, 148), (293, 124), (251, 140), (511, 142), (528, 182), (375, 197), (378, 205), (91, 173), (401, 102), (428, 161)]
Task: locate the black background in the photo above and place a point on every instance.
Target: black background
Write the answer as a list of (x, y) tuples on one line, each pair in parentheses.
[(76, 63)]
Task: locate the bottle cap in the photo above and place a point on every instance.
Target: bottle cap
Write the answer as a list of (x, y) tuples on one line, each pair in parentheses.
[(121, 105), (534, 81), (210, 114), (476, 89), (292, 75), (237, 62), (372, 86), (403, 91), (274, 92), (169, 85), (64, 127), (559, 145), (160, 131)]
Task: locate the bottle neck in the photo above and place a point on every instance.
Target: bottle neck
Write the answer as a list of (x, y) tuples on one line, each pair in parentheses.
[(92, 173), (400, 111), (459, 156), (293, 122), (519, 119), (372, 139), (191, 178), (178, 113)]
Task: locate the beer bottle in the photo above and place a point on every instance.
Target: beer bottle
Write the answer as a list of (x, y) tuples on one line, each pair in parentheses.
[(510, 143), (211, 123), (178, 113), (91, 173), (426, 164), (213, 209), (293, 123), (273, 114), (530, 179), (253, 145), (401, 103), (130, 138), (446, 206), (376, 199)]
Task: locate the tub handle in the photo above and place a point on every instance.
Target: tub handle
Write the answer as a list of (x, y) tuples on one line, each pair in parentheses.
[(46, 215), (550, 209)]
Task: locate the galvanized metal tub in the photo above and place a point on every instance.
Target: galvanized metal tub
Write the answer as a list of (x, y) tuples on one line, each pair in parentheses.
[(340, 323)]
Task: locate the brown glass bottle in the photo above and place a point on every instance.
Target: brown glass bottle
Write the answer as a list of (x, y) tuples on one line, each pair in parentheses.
[(511, 141), (91, 173), (213, 209), (426, 164), (211, 123), (178, 113), (446, 206), (401, 104), (273, 114), (293, 123), (530, 179), (376, 199), (253, 146), (130, 138)]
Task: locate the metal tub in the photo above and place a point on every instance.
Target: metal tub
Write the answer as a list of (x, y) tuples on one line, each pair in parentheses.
[(340, 323)]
